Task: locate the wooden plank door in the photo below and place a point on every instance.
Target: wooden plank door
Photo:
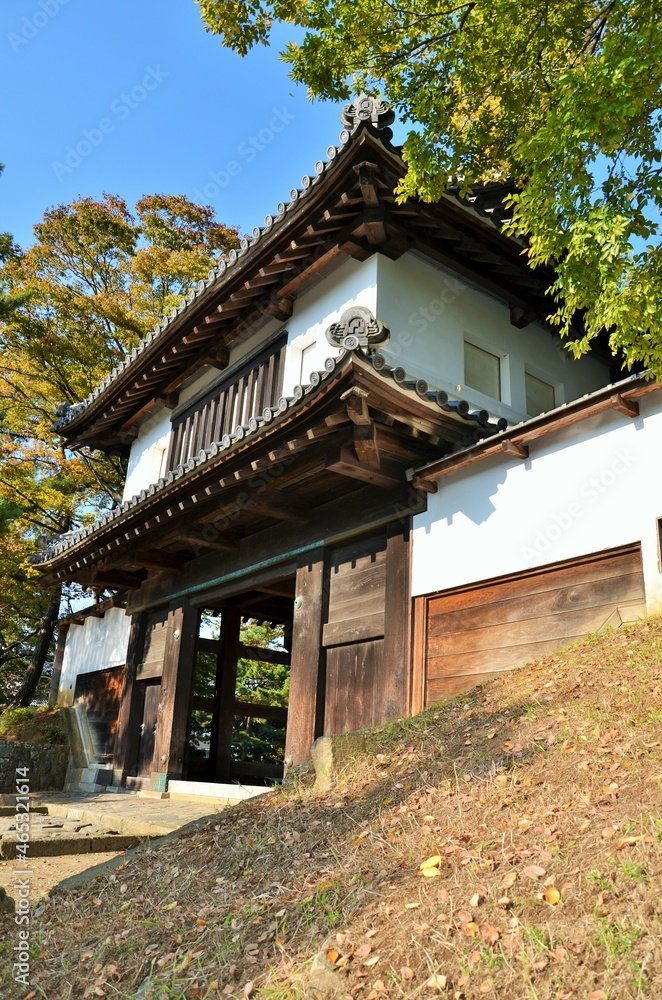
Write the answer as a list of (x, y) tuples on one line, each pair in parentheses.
[(147, 736)]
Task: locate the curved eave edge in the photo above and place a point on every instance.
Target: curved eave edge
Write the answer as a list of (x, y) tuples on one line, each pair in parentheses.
[(222, 272), (482, 425)]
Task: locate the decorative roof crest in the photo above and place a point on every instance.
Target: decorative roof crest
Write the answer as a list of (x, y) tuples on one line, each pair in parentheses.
[(357, 327), (368, 109)]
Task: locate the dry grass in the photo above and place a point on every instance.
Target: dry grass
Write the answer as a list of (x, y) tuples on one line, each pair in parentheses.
[(547, 779)]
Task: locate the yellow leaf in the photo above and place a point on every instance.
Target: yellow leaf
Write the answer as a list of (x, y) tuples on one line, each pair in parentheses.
[(552, 896), (171, 906), (372, 961), (333, 955), (432, 862), (430, 872)]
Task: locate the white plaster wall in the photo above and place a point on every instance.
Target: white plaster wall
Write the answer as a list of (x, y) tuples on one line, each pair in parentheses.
[(148, 453), (431, 312), (351, 284), (592, 487), (98, 644)]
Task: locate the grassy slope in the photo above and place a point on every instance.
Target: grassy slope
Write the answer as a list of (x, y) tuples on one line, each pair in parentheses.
[(548, 778)]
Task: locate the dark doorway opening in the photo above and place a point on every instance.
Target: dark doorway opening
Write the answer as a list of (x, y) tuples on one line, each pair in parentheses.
[(238, 716)]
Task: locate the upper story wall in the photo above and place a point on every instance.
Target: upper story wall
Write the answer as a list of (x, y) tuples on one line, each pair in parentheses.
[(431, 313)]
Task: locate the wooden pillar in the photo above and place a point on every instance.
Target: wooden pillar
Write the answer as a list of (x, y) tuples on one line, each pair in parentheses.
[(126, 743), (226, 684), (305, 714), (62, 633), (419, 656), (176, 688), (396, 667)]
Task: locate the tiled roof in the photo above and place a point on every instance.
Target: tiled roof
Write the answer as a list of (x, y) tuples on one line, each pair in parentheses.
[(486, 203), (483, 426), (221, 271)]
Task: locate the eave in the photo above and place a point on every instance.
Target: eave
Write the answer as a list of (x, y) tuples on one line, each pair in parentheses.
[(347, 209), (515, 441), (358, 423)]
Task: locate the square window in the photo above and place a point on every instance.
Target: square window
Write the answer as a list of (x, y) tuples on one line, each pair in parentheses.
[(540, 396), (482, 370), (308, 362)]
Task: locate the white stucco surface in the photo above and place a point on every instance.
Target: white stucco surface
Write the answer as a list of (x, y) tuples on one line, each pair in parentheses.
[(98, 644), (148, 452), (351, 284), (594, 486), (431, 313)]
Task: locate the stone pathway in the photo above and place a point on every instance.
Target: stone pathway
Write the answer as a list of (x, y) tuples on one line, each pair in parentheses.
[(59, 819)]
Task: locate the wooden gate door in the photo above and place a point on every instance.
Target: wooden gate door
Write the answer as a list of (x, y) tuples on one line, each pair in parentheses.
[(350, 643), (148, 726), (353, 636)]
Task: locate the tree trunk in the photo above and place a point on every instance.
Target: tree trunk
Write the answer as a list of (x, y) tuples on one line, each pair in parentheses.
[(42, 644)]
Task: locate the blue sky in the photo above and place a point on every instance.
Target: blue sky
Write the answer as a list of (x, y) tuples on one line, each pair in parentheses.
[(134, 97)]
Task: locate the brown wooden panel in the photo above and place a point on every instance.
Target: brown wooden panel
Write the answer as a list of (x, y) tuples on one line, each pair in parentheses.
[(515, 633), (155, 644), (590, 568), (616, 589), (350, 686), (357, 579), (100, 693), (473, 633), (450, 686), (354, 630), (500, 660)]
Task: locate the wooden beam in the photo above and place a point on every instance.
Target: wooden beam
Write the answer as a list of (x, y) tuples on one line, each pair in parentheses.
[(308, 671), (226, 683), (281, 307), (126, 744), (156, 560), (514, 448), (273, 503), (629, 407), (118, 578), (347, 464), (176, 689), (281, 656), (396, 657), (208, 538), (365, 445)]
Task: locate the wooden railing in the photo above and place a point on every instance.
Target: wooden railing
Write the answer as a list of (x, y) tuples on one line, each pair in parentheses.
[(230, 404)]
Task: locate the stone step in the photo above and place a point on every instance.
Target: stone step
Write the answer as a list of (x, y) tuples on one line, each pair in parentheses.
[(54, 844)]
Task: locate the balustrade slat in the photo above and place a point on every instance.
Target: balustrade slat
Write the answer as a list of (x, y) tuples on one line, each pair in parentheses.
[(233, 404)]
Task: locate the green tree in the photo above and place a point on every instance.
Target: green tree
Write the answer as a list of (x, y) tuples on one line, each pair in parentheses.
[(564, 97), (71, 306)]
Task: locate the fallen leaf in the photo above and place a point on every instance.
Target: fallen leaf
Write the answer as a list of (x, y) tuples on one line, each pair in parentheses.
[(552, 896), (509, 880), (406, 972), (471, 928), (437, 982), (363, 950), (412, 906), (535, 871), (490, 934), (371, 961), (333, 955), (487, 986), (432, 862)]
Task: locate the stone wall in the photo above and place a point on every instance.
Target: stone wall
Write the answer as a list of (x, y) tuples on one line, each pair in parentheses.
[(47, 765)]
